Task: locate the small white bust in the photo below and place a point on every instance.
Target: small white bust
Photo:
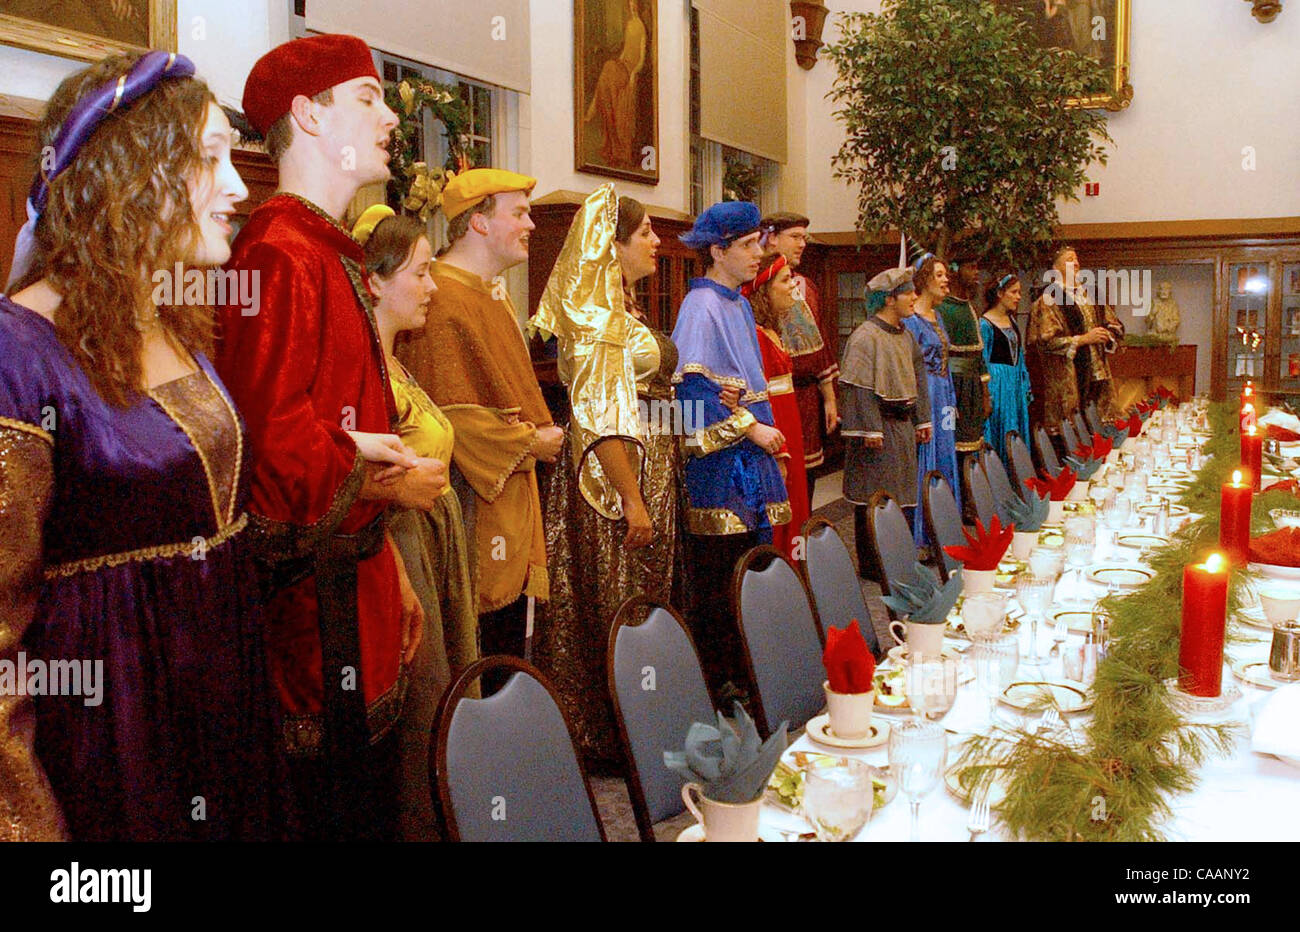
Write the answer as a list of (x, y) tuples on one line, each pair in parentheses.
[(1165, 316)]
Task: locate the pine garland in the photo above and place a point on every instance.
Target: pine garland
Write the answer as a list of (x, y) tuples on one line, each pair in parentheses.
[(1138, 750)]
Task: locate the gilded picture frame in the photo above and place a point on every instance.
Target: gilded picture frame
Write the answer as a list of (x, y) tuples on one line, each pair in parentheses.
[(616, 89), (88, 30), (1096, 28)]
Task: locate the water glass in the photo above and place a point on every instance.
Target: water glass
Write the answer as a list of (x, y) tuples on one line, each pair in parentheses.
[(931, 685), (1046, 562), (1034, 593), (1116, 513), (918, 752), (1080, 541), (996, 661), (837, 800)]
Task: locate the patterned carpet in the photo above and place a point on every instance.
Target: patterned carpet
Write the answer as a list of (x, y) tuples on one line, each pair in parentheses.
[(611, 792)]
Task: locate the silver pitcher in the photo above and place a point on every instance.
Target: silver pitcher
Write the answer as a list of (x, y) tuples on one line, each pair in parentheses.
[(1284, 656)]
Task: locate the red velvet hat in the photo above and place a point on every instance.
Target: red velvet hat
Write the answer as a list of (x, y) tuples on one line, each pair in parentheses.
[(302, 66)]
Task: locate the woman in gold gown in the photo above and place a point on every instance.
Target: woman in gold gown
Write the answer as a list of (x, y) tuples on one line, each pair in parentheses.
[(612, 502), (432, 543)]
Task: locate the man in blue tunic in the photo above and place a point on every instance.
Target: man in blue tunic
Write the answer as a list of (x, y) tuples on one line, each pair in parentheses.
[(735, 494)]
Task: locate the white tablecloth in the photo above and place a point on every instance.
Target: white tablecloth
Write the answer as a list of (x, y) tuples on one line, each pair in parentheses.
[(1245, 797)]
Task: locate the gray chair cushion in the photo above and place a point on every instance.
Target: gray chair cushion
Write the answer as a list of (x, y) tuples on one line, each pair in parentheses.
[(981, 492), (834, 582), (1046, 452), (661, 691), (894, 542), (784, 648), (944, 528), (511, 769), (1022, 464), (1069, 435), (1081, 429), (1002, 488)]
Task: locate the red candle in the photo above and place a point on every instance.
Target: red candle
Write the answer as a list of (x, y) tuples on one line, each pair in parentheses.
[(1248, 413), (1205, 612), (1252, 454), (1234, 519), (1247, 393)]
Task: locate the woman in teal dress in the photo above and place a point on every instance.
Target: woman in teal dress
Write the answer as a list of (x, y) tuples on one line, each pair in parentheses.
[(1004, 355)]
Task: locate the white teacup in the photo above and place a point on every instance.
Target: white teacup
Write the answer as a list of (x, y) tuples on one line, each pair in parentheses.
[(1022, 542), (982, 614), (1056, 512), (850, 713), (1280, 604), (973, 581), (925, 640), (722, 821)]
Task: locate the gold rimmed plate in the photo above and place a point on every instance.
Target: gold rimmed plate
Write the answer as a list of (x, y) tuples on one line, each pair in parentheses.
[(1256, 673), (1032, 695), (1076, 621), (1140, 540), (1124, 577), (1150, 508), (819, 730)]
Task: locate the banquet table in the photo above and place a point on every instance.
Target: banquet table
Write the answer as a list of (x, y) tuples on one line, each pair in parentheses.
[(1246, 796)]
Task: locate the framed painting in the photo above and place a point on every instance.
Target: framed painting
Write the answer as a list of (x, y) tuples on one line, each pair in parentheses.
[(1098, 29), (88, 29), (616, 89)]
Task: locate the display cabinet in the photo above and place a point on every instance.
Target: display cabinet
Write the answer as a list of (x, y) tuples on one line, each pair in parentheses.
[(1257, 323)]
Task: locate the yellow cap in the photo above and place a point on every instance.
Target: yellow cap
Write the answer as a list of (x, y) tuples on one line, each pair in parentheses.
[(465, 190), (370, 218)]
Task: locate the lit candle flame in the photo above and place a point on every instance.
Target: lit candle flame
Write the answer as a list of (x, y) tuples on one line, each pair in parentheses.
[(1214, 562), (1236, 477), (1251, 430)]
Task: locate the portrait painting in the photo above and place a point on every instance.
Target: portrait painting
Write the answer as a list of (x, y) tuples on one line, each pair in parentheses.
[(616, 89), (88, 29), (1098, 29)]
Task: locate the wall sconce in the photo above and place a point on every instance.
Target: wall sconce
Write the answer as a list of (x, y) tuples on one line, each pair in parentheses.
[(807, 19), (1265, 10)]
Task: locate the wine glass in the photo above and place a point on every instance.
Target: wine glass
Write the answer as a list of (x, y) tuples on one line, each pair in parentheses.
[(917, 754), (1034, 593), (995, 660), (1080, 541), (837, 800), (1137, 486), (1100, 489)]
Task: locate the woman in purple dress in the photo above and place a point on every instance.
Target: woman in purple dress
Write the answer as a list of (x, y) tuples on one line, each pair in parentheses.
[(128, 598)]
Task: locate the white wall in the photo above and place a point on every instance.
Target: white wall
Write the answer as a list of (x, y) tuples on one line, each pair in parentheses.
[(1208, 80), (548, 122)]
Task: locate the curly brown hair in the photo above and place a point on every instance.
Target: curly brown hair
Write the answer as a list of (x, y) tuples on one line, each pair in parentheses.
[(764, 315), (119, 212), (923, 275)]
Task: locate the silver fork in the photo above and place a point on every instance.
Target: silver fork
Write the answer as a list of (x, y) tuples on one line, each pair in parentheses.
[(978, 823), (1051, 720)]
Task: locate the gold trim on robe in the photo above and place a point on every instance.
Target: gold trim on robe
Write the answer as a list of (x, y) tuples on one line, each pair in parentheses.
[(714, 521)]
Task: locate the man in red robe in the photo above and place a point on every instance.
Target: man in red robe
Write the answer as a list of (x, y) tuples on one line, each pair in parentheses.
[(307, 372), (810, 338)]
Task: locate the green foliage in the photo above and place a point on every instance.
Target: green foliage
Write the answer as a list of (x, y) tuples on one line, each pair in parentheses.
[(1138, 751), (741, 181), (410, 101), (956, 127)]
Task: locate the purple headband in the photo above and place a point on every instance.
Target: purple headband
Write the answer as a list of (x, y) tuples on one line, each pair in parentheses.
[(81, 122)]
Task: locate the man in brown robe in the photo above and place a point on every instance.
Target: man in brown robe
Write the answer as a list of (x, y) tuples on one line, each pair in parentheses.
[(472, 360)]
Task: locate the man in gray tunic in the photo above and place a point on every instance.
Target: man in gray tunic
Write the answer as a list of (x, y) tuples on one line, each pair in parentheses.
[(886, 403)]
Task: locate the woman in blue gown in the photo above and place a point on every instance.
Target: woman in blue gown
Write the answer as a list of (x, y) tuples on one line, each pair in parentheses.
[(1004, 355), (940, 452), (123, 556)]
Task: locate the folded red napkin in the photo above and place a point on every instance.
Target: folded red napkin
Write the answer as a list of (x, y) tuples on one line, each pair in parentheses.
[(850, 667), (1284, 485), (1281, 434), (1134, 425), (1280, 547), (986, 547), (1054, 488), (1099, 449)]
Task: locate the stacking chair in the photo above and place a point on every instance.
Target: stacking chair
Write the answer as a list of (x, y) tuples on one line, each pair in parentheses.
[(942, 520), (1020, 462), (981, 493), (889, 541), (781, 639), (1093, 417), (996, 474), (1046, 452), (505, 766), (1082, 429), (658, 690), (834, 584), (1070, 436)]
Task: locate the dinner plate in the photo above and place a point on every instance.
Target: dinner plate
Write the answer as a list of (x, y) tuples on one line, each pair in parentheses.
[(819, 730), (1166, 488), (1125, 577), (997, 787), (1255, 672), (956, 627), (890, 681), (1253, 616), (1030, 695), (898, 654), (1150, 508), (1140, 540), (785, 786), (1273, 571), (1075, 620)]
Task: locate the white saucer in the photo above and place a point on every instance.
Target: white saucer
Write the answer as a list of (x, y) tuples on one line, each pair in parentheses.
[(1255, 672), (696, 833), (819, 730)]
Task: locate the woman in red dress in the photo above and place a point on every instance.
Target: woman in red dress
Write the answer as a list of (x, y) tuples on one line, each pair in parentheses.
[(771, 295)]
